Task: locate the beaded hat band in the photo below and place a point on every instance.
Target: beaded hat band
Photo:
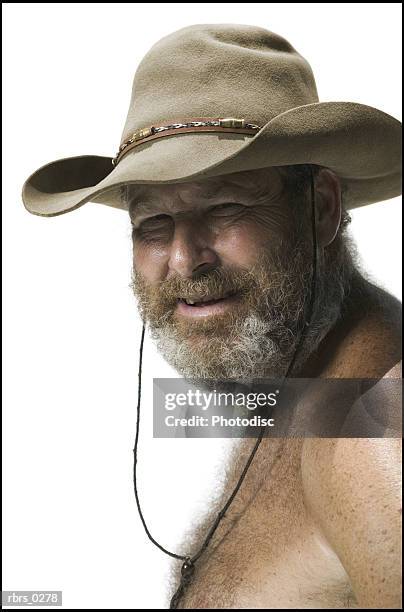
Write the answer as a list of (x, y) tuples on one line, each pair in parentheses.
[(226, 124)]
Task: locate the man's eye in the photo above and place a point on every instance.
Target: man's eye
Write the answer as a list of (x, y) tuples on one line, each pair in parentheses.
[(230, 208)]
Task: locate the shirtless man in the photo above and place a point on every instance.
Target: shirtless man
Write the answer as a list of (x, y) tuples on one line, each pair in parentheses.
[(222, 119), (316, 523)]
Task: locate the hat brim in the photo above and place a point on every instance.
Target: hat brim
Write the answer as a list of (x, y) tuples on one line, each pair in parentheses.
[(361, 144)]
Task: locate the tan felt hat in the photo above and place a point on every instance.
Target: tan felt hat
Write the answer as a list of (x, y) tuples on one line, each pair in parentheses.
[(212, 99)]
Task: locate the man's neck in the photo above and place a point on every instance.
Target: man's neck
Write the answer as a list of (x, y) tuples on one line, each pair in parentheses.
[(369, 321)]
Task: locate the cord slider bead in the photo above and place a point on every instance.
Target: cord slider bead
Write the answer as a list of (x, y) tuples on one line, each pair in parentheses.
[(187, 568)]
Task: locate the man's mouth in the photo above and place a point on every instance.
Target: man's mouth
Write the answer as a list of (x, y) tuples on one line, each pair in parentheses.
[(206, 305)]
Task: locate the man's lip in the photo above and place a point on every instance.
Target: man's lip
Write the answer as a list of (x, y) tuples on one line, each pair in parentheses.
[(208, 308), (197, 300)]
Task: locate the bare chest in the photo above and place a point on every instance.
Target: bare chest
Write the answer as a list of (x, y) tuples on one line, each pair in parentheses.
[(267, 552)]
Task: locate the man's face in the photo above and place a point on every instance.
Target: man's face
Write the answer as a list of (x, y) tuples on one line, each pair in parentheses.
[(221, 272), (222, 221)]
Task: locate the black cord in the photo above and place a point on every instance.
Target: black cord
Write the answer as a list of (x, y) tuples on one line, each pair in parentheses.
[(188, 566), (182, 557)]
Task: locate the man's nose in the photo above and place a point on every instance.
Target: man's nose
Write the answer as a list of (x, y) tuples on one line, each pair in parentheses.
[(190, 249)]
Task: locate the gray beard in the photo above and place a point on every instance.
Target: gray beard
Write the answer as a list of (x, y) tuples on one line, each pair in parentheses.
[(263, 344)]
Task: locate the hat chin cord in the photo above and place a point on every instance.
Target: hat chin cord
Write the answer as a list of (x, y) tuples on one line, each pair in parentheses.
[(188, 566)]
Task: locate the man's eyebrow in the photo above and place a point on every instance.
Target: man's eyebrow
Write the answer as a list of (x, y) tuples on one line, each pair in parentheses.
[(144, 204), (140, 202)]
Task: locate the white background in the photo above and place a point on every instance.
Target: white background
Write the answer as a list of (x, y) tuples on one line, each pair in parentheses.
[(71, 328)]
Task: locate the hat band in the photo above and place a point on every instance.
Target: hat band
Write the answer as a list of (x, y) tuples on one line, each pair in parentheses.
[(227, 124)]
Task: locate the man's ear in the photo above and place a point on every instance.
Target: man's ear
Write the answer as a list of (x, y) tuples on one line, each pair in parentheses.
[(328, 206)]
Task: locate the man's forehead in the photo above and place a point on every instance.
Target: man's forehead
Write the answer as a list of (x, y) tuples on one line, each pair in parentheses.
[(255, 183)]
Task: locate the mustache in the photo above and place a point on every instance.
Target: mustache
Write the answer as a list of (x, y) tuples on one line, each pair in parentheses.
[(218, 281), (274, 287)]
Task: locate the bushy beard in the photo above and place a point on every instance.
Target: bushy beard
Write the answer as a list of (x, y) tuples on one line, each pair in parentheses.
[(258, 335)]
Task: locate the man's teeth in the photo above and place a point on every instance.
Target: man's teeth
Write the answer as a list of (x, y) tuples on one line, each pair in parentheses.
[(205, 299), (193, 302)]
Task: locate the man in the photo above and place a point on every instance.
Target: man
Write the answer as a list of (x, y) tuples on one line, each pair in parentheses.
[(303, 502), (238, 182)]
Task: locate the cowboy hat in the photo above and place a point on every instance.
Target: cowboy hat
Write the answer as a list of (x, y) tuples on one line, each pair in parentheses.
[(213, 99)]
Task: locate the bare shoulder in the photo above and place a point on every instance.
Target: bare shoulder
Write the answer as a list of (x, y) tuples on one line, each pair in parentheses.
[(352, 485), (352, 489), (377, 412)]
